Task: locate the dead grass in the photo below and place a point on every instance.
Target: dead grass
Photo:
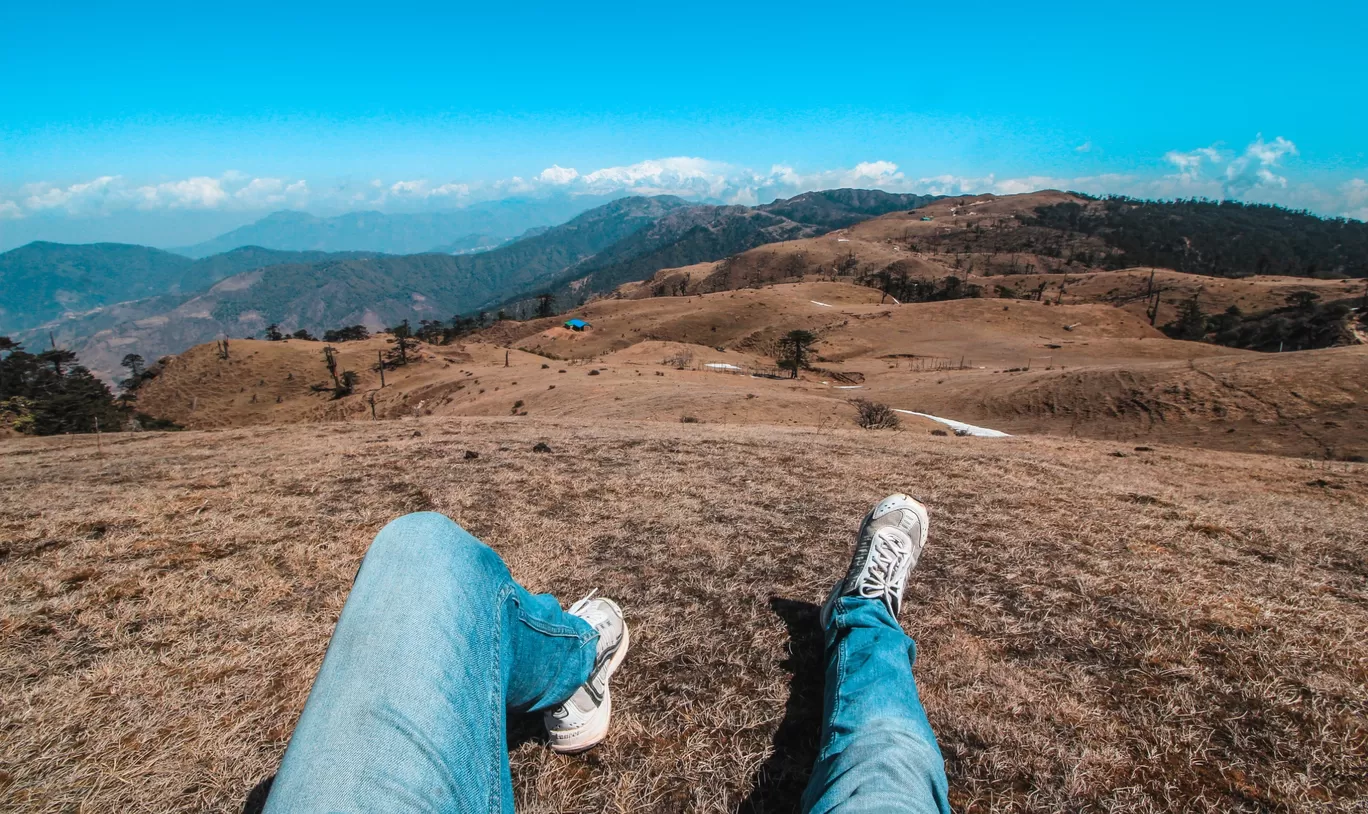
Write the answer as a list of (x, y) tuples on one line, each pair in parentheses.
[(1168, 631)]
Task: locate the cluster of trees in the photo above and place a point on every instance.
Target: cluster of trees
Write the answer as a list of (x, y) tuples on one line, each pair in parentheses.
[(1218, 238), (897, 283), (139, 372), (437, 332), (351, 333), (1303, 324), (274, 334), (431, 331), (49, 393)]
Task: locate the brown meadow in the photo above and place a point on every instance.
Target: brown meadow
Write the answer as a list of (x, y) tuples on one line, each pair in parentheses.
[(1099, 628)]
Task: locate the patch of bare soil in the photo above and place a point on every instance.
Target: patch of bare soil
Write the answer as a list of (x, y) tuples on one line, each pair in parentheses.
[(1100, 627)]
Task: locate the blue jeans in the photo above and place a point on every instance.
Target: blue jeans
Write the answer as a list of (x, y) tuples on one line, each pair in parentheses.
[(878, 753), (436, 643)]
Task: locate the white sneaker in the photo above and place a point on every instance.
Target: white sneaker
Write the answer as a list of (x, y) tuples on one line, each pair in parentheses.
[(582, 722), (887, 548)]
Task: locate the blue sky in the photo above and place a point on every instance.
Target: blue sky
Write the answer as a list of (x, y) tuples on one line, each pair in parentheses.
[(168, 123)]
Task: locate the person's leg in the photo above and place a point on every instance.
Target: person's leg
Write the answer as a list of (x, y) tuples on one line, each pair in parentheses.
[(435, 643), (878, 753)]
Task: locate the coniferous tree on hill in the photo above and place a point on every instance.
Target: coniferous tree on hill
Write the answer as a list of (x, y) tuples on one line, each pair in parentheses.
[(1216, 238), (351, 333), (404, 345), (795, 350), (49, 393)]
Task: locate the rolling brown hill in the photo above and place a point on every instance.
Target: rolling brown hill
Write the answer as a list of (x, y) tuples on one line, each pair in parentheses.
[(904, 242), (1092, 370)]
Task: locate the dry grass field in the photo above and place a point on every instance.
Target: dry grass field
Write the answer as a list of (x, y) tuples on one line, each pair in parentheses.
[(1100, 628)]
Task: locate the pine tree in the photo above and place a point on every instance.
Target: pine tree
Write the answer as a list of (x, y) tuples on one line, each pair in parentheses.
[(546, 305), (1191, 322), (795, 349)]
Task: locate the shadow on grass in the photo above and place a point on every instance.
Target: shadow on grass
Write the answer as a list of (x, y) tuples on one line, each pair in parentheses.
[(779, 782), (256, 798)]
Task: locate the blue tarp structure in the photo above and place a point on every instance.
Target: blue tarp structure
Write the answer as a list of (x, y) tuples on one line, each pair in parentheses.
[(576, 324)]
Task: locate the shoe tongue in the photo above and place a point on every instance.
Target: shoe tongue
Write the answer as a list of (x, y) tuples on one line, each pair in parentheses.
[(598, 620), (893, 536)]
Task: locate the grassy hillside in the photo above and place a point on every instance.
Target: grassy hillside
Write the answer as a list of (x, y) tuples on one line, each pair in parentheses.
[(73, 291), (701, 234), (1109, 375), (42, 281), (839, 208), (1166, 631), (1005, 247), (1222, 239)]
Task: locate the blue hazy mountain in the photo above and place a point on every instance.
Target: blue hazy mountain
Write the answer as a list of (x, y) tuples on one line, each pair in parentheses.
[(475, 227)]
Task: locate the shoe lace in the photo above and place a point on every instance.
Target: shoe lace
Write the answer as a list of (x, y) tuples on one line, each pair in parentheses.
[(582, 601), (882, 581)]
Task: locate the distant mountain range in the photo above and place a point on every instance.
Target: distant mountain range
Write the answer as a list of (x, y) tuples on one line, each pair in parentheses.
[(240, 292), (106, 300), (699, 234), (477, 227), (45, 281)]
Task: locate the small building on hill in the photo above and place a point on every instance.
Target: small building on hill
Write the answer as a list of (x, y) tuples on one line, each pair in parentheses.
[(577, 324)]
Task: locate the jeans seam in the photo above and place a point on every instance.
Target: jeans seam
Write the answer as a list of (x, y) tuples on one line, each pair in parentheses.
[(840, 676), (496, 702)]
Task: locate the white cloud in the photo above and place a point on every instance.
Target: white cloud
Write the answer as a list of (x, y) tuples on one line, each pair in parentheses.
[(1210, 172), (200, 192), (954, 185), (1085, 147), (1255, 167), (876, 171), (408, 187), (1189, 164), (422, 189), (1248, 174), (75, 199), (556, 174), (678, 175), (1031, 183), (113, 193), (1355, 192)]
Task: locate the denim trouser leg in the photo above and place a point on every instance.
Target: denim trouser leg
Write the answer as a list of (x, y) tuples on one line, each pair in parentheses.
[(878, 751), (435, 643)]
